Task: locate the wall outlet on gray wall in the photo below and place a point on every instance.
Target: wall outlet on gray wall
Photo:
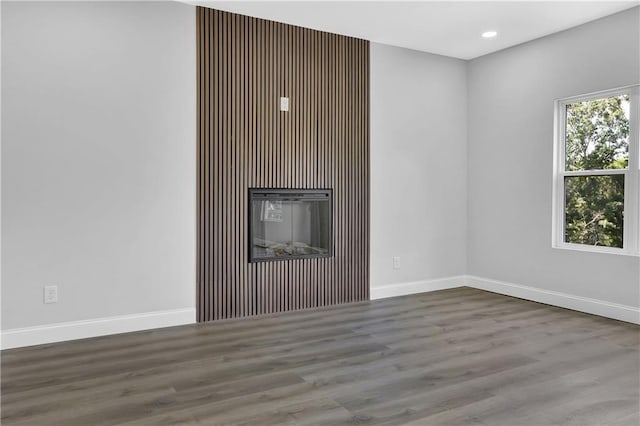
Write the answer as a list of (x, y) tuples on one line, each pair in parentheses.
[(51, 294), (396, 262)]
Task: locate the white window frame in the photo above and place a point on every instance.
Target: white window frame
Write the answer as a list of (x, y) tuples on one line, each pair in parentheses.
[(631, 229)]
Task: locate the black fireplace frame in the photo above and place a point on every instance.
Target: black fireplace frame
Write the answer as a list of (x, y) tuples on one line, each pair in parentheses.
[(287, 194)]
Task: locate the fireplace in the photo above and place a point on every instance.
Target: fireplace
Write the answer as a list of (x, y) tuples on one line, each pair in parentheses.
[(289, 224)]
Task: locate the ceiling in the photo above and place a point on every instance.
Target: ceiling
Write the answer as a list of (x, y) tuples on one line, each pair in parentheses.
[(450, 28)]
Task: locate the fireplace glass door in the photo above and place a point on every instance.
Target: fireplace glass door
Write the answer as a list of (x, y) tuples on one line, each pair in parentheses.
[(289, 224)]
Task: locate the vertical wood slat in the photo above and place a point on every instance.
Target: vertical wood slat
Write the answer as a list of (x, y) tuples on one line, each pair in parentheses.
[(201, 238), (244, 66)]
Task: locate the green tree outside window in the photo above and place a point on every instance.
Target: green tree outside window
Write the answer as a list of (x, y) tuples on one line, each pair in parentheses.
[(597, 138)]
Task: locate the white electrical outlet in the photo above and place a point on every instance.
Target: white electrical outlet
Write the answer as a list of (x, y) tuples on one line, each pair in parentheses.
[(396, 262), (51, 294), (284, 104)]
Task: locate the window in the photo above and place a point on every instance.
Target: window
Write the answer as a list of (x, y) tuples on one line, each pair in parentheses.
[(596, 179)]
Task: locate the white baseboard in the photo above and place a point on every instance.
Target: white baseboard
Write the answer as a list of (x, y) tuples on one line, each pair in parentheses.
[(563, 300), (37, 335), (402, 289), (577, 303)]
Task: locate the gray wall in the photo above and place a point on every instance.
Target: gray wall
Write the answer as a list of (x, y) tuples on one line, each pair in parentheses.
[(511, 100), (418, 165), (98, 164)]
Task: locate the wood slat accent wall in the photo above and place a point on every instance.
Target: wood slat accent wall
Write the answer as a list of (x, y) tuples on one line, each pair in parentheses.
[(244, 66)]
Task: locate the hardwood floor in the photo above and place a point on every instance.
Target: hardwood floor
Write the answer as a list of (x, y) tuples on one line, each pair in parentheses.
[(460, 356)]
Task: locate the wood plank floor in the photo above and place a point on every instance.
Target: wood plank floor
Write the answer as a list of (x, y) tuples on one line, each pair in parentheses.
[(460, 356)]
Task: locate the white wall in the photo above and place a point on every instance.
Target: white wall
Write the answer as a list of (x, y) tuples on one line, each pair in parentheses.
[(511, 96), (418, 166), (98, 164)]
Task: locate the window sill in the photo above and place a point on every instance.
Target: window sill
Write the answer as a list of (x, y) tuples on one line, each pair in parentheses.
[(596, 249)]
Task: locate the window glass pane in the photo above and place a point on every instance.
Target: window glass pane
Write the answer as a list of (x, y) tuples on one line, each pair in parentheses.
[(597, 134), (594, 207)]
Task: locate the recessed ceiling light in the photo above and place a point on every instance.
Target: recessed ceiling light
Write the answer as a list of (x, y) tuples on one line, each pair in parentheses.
[(489, 34)]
